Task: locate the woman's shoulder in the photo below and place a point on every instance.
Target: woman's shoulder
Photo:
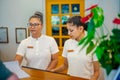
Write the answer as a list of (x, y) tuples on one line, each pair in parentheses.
[(26, 40), (69, 41), (47, 37)]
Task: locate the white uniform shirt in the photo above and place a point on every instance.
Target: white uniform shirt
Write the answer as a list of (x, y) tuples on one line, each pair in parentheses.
[(79, 63), (38, 52)]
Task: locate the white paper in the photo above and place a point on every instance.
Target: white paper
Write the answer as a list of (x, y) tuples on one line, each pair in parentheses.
[(14, 67)]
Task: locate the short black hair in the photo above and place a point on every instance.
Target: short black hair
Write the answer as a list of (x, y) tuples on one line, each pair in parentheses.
[(76, 20)]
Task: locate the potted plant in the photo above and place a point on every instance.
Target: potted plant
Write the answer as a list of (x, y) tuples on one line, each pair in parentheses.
[(107, 46)]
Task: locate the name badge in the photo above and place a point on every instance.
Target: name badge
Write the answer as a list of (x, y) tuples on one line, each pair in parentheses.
[(29, 46), (70, 51)]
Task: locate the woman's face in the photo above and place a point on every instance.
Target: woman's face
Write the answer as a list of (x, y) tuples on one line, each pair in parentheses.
[(74, 32), (35, 26)]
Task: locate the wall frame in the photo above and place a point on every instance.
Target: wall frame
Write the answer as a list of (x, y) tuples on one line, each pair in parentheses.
[(4, 35), (21, 33), (28, 34)]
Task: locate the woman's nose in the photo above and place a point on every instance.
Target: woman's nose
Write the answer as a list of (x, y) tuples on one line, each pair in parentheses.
[(69, 32)]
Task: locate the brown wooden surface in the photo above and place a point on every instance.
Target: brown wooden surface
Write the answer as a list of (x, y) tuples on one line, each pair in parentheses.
[(36, 74)]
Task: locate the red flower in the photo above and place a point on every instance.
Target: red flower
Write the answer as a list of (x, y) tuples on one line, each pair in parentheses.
[(86, 18), (116, 21), (93, 6)]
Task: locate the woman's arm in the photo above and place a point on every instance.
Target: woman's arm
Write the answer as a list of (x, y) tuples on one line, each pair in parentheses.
[(13, 77), (54, 61), (19, 58), (96, 70), (61, 68)]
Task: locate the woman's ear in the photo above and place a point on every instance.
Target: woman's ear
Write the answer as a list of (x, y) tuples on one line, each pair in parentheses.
[(81, 28)]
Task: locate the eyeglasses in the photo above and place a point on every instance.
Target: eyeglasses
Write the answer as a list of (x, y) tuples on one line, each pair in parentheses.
[(33, 24)]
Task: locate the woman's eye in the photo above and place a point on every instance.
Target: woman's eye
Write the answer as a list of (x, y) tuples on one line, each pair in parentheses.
[(71, 30)]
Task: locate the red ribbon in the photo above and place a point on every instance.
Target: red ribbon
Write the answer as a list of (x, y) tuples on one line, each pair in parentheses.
[(116, 21)]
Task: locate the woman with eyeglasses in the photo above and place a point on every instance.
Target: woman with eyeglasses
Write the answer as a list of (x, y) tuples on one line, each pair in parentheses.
[(39, 50)]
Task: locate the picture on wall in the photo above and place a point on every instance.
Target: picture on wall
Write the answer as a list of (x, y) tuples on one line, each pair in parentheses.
[(28, 33), (3, 34), (21, 33)]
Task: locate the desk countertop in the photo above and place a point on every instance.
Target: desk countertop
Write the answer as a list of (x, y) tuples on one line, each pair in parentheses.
[(36, 74)]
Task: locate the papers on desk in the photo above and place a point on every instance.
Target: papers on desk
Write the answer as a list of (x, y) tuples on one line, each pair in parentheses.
[(14, 67)]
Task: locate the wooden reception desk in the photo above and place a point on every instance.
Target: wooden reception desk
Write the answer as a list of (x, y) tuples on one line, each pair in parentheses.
[(36, 74)]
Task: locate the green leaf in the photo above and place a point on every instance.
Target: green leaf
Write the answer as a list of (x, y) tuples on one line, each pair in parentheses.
[(90, 35), (91, 28), (90, 32), (90, 47), (108, 69), (98, 16), (117, 58), (99, 52), (116, 35), (81, 41), (119, 15)]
